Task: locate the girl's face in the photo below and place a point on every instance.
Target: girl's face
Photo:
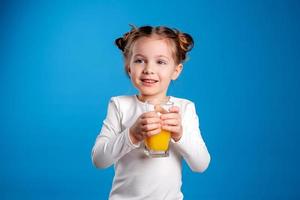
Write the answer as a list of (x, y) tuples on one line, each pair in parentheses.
[(152, 67)]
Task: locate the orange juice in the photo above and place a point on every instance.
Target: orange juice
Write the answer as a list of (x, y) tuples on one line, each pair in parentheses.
[(158, 142)]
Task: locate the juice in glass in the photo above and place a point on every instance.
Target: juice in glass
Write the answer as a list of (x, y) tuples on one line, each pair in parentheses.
[(159, 142), (158, 145)]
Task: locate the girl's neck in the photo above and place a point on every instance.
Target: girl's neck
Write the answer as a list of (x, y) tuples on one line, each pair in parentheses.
[(154, 99)]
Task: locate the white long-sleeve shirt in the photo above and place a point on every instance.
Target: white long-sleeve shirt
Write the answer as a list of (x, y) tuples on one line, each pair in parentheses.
[(136, 175)]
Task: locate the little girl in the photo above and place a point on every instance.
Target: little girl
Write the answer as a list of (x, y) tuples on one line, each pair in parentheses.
[(153, 57)]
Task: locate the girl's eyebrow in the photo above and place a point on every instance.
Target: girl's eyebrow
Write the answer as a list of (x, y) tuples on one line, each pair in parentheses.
[(162, 56), (158, 56), (136, 55)]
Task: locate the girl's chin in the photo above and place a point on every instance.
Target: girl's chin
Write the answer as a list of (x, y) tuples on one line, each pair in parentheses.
[(150, 94), (146, 94), (146, 91)]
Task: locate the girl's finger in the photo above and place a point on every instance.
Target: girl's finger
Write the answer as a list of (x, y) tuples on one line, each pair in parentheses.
[(174, 109), (150, 120), (150, 127), (160, 109), (153, 132), (173, 129), (170, 116), (171, 122)]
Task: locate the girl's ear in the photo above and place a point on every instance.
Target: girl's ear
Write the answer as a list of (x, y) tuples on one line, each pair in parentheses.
[(128, 69), (177, 71)]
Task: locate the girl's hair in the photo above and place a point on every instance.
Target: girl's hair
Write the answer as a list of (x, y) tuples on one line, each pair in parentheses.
[(183, 42)]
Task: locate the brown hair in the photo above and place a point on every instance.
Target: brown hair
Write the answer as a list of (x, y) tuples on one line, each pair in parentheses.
[(183, 42)]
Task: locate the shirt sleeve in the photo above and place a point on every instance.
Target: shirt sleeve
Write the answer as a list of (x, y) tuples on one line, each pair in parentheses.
[(112, 143), (191, 145)]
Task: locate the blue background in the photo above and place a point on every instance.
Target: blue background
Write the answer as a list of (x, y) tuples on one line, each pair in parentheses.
[(59, 67)]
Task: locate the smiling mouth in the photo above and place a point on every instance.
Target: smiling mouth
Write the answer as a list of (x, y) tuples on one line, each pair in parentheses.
[(149, 81)]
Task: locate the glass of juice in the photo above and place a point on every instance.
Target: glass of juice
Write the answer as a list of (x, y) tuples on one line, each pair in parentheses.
[(158, 145)]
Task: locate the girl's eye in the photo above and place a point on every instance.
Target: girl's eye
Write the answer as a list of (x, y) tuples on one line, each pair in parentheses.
[(161, 62), (139, 61)]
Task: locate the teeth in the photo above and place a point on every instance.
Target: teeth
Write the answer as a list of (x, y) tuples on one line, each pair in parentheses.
[(148, 81)]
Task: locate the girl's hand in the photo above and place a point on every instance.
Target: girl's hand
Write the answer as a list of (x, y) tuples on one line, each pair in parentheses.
[(171, 121), (146, 125)]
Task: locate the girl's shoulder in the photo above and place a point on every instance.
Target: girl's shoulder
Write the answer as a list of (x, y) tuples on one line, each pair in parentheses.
[(184, 105), (123, 100), (180, 101)]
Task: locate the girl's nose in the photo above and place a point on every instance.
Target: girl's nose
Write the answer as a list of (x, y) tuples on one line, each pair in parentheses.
[(148, 69)]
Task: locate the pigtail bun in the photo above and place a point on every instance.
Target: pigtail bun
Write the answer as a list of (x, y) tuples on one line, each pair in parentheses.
[(186, 42), (122, 42)]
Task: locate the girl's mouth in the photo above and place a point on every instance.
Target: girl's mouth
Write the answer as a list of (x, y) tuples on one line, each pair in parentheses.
[(148, 82)]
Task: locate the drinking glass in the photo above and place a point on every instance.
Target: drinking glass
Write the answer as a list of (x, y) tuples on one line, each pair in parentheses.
[(158, 145)]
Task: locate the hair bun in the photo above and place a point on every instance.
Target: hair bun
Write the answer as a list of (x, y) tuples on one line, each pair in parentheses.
[(186, 42), (120, 43)]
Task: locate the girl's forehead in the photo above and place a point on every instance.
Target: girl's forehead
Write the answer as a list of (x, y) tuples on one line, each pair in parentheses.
[(153, 45), (154, 38)]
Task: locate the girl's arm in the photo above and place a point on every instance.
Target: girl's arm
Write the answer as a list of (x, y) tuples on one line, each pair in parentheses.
[(191, 145), (112, 143)]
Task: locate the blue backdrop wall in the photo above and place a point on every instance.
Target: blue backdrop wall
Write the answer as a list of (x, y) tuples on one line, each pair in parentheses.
[(59, 67)]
